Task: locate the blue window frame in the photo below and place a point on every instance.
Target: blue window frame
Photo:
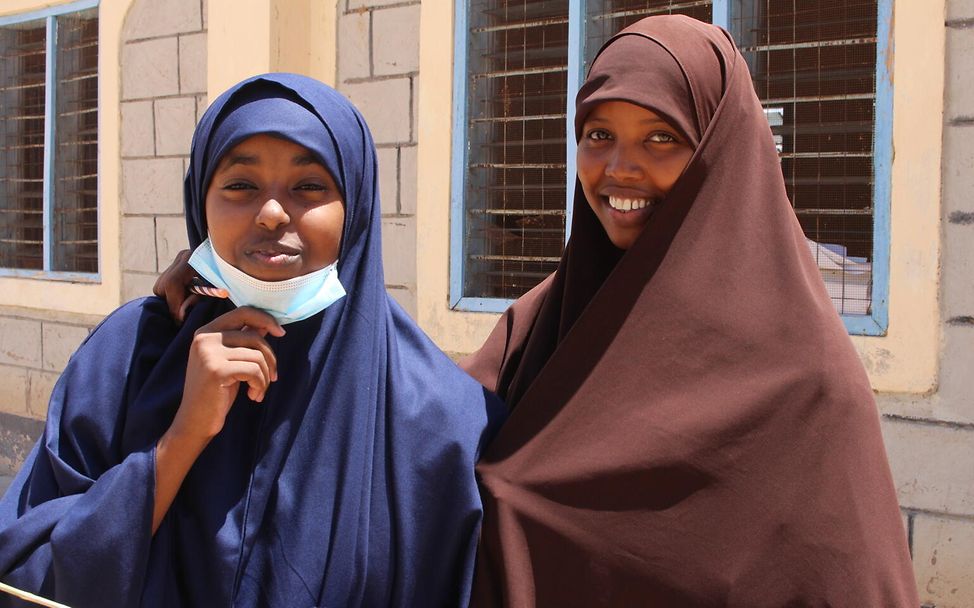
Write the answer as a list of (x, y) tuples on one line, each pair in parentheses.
[(845, 214), (49, 146)]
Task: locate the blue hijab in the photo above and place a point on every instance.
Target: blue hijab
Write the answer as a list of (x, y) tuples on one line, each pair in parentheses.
[(351, 484)]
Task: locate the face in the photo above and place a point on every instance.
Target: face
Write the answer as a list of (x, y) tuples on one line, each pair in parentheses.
[(628, 161), (273, 211)]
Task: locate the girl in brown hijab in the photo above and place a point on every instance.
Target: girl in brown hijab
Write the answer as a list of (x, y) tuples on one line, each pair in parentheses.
[(690, 425)]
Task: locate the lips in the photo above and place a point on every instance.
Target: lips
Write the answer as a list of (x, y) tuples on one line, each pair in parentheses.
[(627, 201), (273, 254)]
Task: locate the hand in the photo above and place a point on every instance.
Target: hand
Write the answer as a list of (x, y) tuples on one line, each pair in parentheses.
[(225, 352), (172, 285)]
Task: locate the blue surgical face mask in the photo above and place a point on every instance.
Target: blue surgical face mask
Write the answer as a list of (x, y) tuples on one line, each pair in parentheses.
[(287, 301)]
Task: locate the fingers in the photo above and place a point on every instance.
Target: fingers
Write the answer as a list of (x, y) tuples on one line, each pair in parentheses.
[(245, 316), (185, 306), (172, 283), (257, 350), (249, 372)]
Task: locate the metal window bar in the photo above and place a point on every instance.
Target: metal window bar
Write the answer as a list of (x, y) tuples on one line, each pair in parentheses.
[(813, 66), (514, 172), (35, 155)]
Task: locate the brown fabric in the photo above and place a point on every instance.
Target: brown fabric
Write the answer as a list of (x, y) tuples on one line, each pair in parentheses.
[(690, 424)]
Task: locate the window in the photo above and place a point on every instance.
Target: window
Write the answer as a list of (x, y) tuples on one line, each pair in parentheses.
[(814, 67), (49, 143)]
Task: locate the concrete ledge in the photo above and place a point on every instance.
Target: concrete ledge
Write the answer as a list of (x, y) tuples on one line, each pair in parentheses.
[(17, 436)]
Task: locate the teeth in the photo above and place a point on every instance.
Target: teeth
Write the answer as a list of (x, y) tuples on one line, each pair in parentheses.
[(628, 204)]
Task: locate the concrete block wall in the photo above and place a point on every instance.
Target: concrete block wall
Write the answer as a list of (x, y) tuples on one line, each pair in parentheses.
[(378, 70), (163, 94), (930, 439), (34, 348)]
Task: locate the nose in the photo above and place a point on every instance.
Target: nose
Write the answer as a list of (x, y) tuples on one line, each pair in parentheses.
[(623, 166), (272, 214)]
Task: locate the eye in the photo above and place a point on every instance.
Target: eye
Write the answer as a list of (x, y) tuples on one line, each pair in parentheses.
[(311, 187), (239, 185), (598, 135), (661, 137)]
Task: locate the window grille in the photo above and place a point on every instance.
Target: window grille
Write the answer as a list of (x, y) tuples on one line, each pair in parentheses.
[(22, 94), (604, 18), (515, 168), (813, 65), (49, 141), (75, 234)]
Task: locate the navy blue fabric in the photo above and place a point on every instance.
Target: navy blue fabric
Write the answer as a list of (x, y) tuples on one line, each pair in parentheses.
[(352, 484)]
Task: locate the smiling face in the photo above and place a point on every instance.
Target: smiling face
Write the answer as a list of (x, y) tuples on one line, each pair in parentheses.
[(273, 211), (628, 161)]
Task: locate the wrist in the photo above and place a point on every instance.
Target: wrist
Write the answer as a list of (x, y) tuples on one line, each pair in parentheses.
[(179, 440)]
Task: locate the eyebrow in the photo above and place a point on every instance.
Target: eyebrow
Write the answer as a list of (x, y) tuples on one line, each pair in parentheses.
[(253, 159), (642, 121)]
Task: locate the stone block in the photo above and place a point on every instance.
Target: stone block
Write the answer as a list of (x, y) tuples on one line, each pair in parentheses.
[(958, 168), (60, 342), (40, 386), (175, 121), (152, 18), (137, 285), (364, 4), (960, 9), (201, 106), (153, 185), (958, 289), (959, 97), (138, 244), (956, 382), (170, 239), (405, 298), (408, 179), (150, 69), (137, 129), (389, 180), (354, 36), (385, 105), (943, 554), (192, 63), (20, 342), (931, 466), (13, 389), (395, 40), (399, 251)]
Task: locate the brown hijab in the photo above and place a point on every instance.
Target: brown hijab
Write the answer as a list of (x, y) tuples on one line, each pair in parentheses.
[(690, 424)]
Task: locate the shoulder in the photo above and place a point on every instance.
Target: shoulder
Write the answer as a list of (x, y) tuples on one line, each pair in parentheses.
[(130, 323), (135, 329), (436, 382)]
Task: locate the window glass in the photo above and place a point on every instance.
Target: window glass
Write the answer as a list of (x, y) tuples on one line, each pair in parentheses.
[(813, 66), (22, 94), (514, 191), (49, 143), (604, 18), (75, 231)]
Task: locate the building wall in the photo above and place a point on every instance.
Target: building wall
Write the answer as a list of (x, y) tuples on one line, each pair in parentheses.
[(163, 93), (378, 70), (930, 438)]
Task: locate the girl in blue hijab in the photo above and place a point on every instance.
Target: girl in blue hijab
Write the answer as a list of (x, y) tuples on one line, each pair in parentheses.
[(296, 455)]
